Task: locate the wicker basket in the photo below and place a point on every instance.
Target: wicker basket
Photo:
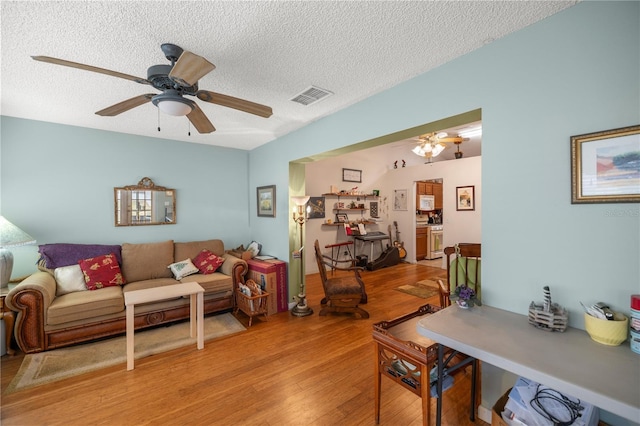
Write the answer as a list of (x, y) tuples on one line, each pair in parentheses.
[(253, 305)]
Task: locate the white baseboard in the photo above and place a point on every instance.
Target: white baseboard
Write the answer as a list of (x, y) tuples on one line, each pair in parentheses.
[(484, 414)]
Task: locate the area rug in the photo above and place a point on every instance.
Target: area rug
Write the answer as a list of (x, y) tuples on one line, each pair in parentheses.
[(424, 289), (46, 367)]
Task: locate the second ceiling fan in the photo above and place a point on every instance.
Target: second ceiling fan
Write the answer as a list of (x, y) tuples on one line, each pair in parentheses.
[(174, 81), (432, 144)]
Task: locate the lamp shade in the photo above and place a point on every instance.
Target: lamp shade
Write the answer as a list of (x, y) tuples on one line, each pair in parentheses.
[(12, 236), (301, 200)]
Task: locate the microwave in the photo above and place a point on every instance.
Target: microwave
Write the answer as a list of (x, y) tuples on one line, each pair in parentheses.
[(427, 202)]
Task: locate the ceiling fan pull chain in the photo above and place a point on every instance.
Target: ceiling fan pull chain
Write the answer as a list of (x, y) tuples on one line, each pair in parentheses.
[(158, 109), (189, 131)]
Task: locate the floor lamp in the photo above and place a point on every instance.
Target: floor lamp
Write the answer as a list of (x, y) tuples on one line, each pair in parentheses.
[(300, 217), (10, 236)]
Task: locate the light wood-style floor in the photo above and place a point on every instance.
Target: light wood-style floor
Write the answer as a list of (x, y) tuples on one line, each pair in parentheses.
[(285, 371)]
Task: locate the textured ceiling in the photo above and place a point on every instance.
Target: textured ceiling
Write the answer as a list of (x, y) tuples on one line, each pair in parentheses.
[(265, 52)]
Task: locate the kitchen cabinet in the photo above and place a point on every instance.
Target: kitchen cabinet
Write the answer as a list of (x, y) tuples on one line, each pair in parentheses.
[(437, 192), (429, 188), (422, 244)]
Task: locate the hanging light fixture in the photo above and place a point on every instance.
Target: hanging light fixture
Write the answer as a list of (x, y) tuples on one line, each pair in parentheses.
[(429, 147), (172, 103)]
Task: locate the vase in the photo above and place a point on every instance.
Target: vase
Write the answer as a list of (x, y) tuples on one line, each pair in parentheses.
[(462, 304)]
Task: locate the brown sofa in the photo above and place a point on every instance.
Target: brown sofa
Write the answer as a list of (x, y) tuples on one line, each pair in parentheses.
[(46, 321)]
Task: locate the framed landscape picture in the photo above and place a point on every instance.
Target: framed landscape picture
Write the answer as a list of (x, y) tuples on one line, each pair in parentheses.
[(605, 166), (316, 205), (266, 199), (465, 198)]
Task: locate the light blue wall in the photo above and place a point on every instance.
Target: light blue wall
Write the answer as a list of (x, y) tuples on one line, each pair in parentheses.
[(57, 185), (573, 73)]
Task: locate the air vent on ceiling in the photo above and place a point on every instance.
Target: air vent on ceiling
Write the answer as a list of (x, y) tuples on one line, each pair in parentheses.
[(311, 95)]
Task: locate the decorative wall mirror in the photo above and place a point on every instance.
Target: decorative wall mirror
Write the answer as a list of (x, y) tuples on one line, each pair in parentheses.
[(144, 204)]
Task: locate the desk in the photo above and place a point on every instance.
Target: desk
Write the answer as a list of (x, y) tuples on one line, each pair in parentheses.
[(193, 290), (605, 376), (369, 238)]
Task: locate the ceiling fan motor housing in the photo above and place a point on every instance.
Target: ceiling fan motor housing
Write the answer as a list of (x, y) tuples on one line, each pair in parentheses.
[(158, 76)]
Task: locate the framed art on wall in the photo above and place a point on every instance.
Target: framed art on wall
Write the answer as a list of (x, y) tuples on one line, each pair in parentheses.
[(266, 200), (351, 175), (465, 198), (316, 204), (400, 199), (605, 166)]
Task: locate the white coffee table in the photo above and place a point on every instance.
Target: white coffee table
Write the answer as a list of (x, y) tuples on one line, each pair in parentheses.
[(194, 290)]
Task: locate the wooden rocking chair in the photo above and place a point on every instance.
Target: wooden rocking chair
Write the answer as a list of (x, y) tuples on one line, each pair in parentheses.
[(342, 293)]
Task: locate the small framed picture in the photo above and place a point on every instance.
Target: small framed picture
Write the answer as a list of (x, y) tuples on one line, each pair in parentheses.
[(266, 201), (351, 175), (605, 166), (342, 218), (465, 198), (316, 205)]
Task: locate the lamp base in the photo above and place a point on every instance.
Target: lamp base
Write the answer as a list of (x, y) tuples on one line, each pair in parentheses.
[(6, 266), (301, 309)]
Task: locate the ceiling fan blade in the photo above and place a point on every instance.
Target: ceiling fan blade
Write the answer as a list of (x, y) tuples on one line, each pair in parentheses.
[(190, 68), (126, 105), (453, 139), (90, 68), (236, 103), (199, 120)]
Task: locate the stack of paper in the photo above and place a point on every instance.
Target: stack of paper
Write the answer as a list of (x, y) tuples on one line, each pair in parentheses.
[(549, 405)]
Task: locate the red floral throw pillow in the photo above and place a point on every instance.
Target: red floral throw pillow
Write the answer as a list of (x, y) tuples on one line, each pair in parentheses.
[(207, 262), (101, 271)]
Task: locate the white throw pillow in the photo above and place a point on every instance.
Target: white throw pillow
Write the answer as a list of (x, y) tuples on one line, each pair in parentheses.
[(69, 279), (183, 268)]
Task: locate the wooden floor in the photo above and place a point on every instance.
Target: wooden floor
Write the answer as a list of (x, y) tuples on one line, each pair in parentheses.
[(286, 371)]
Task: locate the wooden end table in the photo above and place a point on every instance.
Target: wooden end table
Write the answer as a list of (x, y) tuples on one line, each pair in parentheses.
[(194, 290), (406, 357), (9, 319)]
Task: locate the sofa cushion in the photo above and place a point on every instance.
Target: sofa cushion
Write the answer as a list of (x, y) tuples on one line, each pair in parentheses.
[(69, 279), (211, 283), (82, 305), (183, 268), (101, 271), (147, 261), (63, 254), (207, 262), (154, 283), (192, 249)]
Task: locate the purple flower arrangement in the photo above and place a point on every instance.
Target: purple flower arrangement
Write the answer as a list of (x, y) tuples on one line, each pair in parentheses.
[(465, 297)]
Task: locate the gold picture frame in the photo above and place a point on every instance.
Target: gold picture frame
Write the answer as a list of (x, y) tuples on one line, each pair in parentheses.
[(266, 199), (605, 166)]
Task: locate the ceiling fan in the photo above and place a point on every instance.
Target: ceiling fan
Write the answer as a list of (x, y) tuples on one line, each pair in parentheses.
[(174, 81), (432, 144)]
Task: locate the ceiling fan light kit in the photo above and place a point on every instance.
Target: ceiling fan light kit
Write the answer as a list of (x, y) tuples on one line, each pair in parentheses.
[(172, 103), (174, 81)]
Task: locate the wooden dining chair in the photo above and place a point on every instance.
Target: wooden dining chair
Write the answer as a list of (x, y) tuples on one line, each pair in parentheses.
[(463, 267)]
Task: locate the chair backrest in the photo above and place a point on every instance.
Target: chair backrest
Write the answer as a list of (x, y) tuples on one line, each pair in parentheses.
[(463, 268), (321, 266)]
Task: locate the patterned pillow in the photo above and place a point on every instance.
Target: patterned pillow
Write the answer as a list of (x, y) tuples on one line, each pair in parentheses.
[(101, 271), (183, 268), (207, 262)]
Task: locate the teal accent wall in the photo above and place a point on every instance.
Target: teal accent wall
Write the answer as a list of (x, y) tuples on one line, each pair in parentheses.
[(57, 185), (573, 73)]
